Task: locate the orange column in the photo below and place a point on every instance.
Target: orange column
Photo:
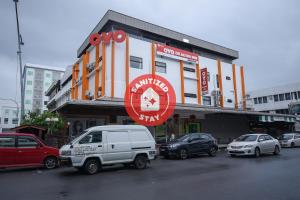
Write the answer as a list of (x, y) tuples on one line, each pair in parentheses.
[(96, 72), (112, 92), (220, 83), (76, 79), (84, 77), (198, 71), (243, 87), (234, 87), (153, 58), (73, 83), (182, 82), (103, 69), (127, 62)]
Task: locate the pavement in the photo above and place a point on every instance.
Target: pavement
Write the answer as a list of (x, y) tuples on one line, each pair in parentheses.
[(221, 177)]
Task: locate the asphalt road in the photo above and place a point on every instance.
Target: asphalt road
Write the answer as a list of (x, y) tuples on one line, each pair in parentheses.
[(221, 177)]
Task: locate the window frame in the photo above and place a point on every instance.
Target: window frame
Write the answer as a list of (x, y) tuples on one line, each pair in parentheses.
[(31, 137), (136, 59), (159, 64)]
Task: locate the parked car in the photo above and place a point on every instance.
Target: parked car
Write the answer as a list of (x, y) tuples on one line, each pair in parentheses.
[(253, 144), (289, 140), (108, 145), (193, 143), (26, 150)]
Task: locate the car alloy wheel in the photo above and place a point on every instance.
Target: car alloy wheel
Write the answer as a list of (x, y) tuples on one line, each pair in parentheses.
[(50, 162), (212, 151), (276, 151), (257, 152), (292, 144), (183, 154)]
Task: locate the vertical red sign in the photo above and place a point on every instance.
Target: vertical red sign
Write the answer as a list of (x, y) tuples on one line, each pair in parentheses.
[(204, 82)]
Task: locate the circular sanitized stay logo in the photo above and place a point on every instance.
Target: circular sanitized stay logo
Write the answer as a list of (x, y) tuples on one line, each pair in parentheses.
[(150, 100)]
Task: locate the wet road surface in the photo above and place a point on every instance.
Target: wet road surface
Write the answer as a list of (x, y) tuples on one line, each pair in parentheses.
[(221, 177)]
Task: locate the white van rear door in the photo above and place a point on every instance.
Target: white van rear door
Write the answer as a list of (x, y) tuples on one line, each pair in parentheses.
[(118, 146)]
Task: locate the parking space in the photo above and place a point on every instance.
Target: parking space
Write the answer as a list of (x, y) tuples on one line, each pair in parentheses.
[(220, 177)]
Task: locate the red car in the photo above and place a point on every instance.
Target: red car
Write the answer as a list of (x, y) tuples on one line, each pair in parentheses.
[(26, 150)]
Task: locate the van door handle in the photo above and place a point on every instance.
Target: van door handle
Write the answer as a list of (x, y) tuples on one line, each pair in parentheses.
[(112, 146)]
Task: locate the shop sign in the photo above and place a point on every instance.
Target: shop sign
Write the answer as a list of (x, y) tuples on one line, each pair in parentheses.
[(175, 53), (117, 36), (150, 100), (204, 82)]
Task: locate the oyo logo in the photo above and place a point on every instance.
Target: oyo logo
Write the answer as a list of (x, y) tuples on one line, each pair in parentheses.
[(150, 100), (118, 36)]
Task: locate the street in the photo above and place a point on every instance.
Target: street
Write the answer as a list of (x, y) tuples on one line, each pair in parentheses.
[(221, 177)]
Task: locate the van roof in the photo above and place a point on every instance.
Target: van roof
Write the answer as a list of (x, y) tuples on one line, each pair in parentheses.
[(116, 127)]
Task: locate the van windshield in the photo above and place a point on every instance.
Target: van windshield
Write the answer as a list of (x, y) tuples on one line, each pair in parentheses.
[(77, 136)]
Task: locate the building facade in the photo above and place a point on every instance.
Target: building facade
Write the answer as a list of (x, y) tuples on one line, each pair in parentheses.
[(94, 92), (38, 79), (275, 99), (9, 114)]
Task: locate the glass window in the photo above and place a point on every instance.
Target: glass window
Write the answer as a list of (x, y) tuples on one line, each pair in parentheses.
[(26, 141), (5, 120), (265, 100), (206, 100), (93, 137), (28, 91), (191, 95), (29, 82), (136, 62), (27, 101), (246, 138), (6, 112), (7, 141), (255, 101), (294, 95), (189, 69), (29, 73), (276, 97), (228, 78), (161, 67), (205, 137), (298, 94), (15, 121), (281, 97), (287, 96), (261, 138), (259, 100), (15, 113)]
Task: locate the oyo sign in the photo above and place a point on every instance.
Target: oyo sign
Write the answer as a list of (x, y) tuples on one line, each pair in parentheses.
[(175, 53), (118, 36), (204, 82)]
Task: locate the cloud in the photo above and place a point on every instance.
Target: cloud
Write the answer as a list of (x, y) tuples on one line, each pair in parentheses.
[(266, 33)]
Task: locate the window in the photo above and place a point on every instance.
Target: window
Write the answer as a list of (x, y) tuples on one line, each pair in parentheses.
[(7, 141), (28, 91), (294, 95), (93, 137), (190, 95), (15, 121), (29, 82), (26, 141), (276, 98), (136, 62), (6, 112), (204, 137), (27, 101), (189, 69), (255, 101), (265, 99), (287, 96), (15, 113), (228, 78), (29, 73), (45, 103), (261, 138), (298, 94), (5, 120), (229, 100), (259, 100), (281, 97), (206, 100), (161, 67)]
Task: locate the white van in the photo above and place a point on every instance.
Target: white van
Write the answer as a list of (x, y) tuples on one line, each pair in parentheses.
[(107, 145)]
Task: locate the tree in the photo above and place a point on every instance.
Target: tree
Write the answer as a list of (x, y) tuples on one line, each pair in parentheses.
[(34, 118)]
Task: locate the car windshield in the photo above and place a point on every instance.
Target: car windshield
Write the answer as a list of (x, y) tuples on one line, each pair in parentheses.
[(246, 138), (286, 137), (183, 138)]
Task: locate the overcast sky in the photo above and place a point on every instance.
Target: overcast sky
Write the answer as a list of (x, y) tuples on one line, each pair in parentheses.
[(266, 33)]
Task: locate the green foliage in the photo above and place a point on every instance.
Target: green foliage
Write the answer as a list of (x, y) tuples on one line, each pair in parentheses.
[(37, 119)]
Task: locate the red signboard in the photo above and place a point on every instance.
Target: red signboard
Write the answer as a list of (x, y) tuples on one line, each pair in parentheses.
[(175, 53), (118, 36), (204, 82)]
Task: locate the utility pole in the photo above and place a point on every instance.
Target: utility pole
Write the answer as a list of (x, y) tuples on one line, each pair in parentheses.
[(19, 53)]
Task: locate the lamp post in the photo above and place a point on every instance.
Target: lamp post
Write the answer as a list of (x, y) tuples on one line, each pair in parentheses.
[(19, 52)]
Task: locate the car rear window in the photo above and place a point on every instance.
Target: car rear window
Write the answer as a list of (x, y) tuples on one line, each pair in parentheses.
[(7, 141)]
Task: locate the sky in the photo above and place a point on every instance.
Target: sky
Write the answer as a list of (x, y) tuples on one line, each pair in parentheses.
[(266, 33)]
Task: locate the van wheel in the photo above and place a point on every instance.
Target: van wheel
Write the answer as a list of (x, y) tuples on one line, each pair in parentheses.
[(140, 162), (50, 162), (277, 150), (92, 166)]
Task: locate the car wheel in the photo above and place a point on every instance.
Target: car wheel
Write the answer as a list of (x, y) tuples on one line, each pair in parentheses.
[(140, 162), (292, 144), (50, 162), (256, 152), (183, 154), (92, 166), (276, 150), (212, 152)]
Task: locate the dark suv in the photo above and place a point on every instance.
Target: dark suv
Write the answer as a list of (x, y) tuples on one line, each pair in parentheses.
[(193, 143)]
